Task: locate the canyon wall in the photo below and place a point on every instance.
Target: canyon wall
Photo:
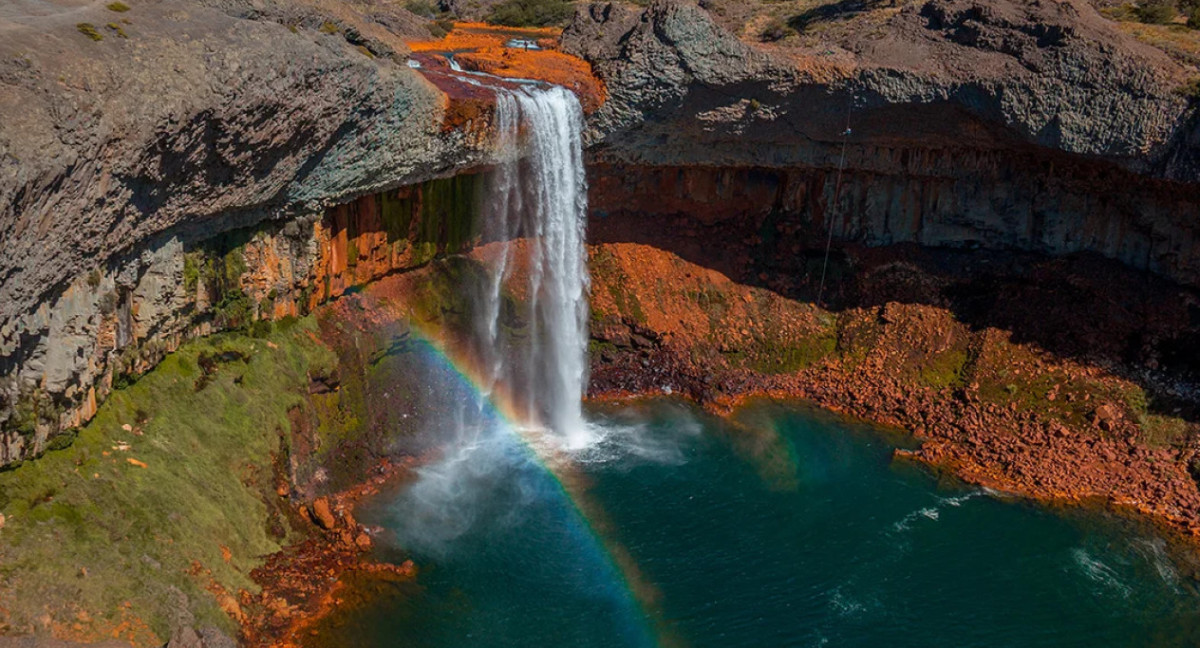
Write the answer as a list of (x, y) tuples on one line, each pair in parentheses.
[(1002, 125), (115, 322), (945, 198), (176, 177)]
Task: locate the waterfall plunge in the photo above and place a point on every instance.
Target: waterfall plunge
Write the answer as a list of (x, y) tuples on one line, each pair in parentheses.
[(539, 196), (534, 221)]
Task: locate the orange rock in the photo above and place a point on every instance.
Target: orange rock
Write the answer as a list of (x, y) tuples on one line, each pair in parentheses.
[(363, 541), (139, 464), (322, 513)]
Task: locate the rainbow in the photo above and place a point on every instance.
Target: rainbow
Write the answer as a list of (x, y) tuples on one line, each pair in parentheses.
[(569, 482)]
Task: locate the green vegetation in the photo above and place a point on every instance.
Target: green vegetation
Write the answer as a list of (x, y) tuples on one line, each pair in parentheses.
[(1156, 12), (1191, 89), (946, 369), (530, 13), (439, 28), (117, 28), (437, 217), (89, 30), (776, 29), (192, 262), (328, 27), (789, 357), (219, 266), (93, 279), (118, 6), (423, 8), (168, 471)]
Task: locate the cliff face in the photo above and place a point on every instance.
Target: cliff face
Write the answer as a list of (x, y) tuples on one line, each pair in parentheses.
[(105, 333), (1007, 125), (163, 174), (170, 124), (941, 197), (935, 74)]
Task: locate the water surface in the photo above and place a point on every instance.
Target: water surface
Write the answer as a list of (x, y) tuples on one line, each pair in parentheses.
[(783, 528)]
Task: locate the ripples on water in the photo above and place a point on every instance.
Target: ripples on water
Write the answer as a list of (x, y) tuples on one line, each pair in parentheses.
[(832, 545)]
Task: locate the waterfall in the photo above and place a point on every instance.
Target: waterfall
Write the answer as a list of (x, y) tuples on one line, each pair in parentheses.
[(528, 334), (537, 207)]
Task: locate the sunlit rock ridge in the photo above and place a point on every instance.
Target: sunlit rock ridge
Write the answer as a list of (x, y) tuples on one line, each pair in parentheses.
[(215, 163)]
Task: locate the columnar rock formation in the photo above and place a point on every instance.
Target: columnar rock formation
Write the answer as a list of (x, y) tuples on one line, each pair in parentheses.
[(174, 176)]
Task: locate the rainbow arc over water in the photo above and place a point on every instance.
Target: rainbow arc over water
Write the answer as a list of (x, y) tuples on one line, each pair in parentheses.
[(595, 528)]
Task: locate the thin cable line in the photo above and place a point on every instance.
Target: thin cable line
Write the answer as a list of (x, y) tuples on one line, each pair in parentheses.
[(837, 191)]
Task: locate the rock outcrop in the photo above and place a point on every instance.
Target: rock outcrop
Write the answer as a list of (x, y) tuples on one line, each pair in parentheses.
[(939, 74), (1009, 125), (132, 134), (164, 173)]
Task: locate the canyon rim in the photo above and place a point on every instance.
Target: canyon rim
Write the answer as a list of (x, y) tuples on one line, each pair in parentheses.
[(257, 257)]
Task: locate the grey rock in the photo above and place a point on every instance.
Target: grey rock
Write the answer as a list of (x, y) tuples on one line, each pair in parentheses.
[(945, 73)]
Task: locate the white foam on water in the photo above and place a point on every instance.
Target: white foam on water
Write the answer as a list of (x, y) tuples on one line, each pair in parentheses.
[(535, 207), (905, 523), (1154, 551), (934, 513), (1097, 571), (844, 605)]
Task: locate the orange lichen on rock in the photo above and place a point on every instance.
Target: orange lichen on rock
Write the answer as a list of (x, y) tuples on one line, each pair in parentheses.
[(551, 66), (467, 36), (303, 583), (483, 48)]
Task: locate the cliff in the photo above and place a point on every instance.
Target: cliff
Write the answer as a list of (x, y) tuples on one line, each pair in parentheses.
[(1008, 125), (933, 74), (166, 124), (163, 174)]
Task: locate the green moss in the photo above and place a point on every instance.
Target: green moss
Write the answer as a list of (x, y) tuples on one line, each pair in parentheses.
[(1161, 431), (627, 302), (793, 356), (1155, 12), (89, 30), (441, 300), (119, 7), (946, 369), (33, 408), (191, 271), (233, 309), (134, 531), (396, 213), (328, 27), (117, 29), (450, 210), (530, 13)]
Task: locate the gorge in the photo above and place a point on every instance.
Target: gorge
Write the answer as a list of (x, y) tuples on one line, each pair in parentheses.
[(380, 331)]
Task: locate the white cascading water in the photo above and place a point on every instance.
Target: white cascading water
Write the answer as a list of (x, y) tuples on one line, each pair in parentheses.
[(535, 352), (539, 197)]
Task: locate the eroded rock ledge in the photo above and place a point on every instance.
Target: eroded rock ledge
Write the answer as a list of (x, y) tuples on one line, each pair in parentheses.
[(130, 224)]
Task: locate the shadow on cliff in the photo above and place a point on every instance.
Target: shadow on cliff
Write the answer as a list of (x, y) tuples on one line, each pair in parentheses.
[(1083, 307)]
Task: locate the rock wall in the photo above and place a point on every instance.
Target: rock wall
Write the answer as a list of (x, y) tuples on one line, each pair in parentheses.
[(940, 73), (946, 198), (115, 322)]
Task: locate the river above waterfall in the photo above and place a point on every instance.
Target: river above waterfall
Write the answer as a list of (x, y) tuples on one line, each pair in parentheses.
[(779, 527)]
